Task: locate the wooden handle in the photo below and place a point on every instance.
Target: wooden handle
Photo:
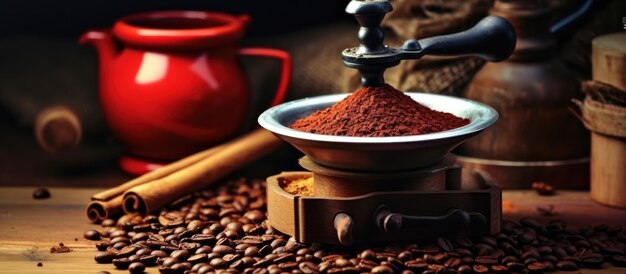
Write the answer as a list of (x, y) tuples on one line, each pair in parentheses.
[(57, 129), (343, 224)]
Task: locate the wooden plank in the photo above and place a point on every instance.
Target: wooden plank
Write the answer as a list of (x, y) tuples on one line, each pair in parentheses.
[(28, 227)]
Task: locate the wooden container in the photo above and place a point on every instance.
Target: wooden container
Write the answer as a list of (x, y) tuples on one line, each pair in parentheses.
[(608, 123), (536, 137)]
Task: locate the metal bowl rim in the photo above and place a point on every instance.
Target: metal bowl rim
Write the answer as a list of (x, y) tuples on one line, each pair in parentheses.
[(268, 120)]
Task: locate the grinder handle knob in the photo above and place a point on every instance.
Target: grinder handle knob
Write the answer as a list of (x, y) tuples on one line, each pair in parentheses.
[(343, 224), (454, 221), (492, 39)]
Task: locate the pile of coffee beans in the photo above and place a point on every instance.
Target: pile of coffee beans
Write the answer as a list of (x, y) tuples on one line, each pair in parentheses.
[(225, 231)]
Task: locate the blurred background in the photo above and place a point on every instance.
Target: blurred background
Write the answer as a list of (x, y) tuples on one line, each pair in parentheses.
[(42, 65)]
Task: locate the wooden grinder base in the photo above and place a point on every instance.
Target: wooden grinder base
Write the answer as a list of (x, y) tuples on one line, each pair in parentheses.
[(380, 213)]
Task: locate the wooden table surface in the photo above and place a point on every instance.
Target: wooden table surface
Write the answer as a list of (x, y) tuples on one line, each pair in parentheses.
[(28, 227)]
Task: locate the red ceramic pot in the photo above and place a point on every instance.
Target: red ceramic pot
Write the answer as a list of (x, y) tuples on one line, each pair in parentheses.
[(170, 82)]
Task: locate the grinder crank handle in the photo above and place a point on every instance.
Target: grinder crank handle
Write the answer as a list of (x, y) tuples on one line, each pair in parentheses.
[(492, 39), (455, 221)]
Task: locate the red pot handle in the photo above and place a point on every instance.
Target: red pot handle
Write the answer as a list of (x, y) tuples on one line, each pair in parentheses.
[(285, 74)]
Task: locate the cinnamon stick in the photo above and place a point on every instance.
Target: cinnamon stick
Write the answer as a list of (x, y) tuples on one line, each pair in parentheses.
[(153, 175), (108, 204), (148, 197), (98, 211)]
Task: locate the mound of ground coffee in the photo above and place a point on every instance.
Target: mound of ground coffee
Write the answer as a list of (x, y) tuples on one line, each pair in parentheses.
[(378, 112)]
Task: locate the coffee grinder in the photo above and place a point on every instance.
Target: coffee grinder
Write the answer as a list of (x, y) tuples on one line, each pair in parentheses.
[(379, 189)]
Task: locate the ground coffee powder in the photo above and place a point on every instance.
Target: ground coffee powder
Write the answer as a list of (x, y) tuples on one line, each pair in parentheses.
[(378, 112)]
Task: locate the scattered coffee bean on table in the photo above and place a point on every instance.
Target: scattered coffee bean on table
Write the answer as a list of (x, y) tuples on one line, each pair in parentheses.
[(136, 268), (41, 193), (543, 188), (39, 264), (92, 235), (224, 230)]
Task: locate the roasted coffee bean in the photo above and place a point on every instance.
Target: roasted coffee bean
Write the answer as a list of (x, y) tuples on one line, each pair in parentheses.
[(92, 234), (444, 244), (263, 262), (128, 251), (136, 268), (468, 260), (566, 266), (285, 257), (108, 223), (241, 241), (480, 268), (367, 254), (509, 259), (218, 263), (278, 242), (308, 267), (486, 260), (168, 248), (288, 266), (530, 261), (121, 263), (229, 258), (204, 249), (530, 254), (41, 193), (181, 254), (515, 267), (181, 267), (144, 251), (102, 246), (464, 242), (148, 260), (463, 252), (168, 262), (158, 253), (550, 267), (134, 258), (118, 233), (382, 269), (104, 257), (543, 188), (452, 262), (120, 239), (405, 256), (198, 258), (120, 245), (464, 269), (499, 269), (536, 267), (223, 249)]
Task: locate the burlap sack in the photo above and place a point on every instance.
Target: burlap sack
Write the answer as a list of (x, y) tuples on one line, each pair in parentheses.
[(604, 118)]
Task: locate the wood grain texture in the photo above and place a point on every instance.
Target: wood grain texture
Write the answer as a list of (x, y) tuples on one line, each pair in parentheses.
[(608, 153), (28, 227), (609, 59)]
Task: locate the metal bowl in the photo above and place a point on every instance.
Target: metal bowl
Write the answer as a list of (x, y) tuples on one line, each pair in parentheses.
[(377, 153)]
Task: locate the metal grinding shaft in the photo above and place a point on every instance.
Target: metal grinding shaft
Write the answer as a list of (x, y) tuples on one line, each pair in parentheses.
[(492, 39)]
